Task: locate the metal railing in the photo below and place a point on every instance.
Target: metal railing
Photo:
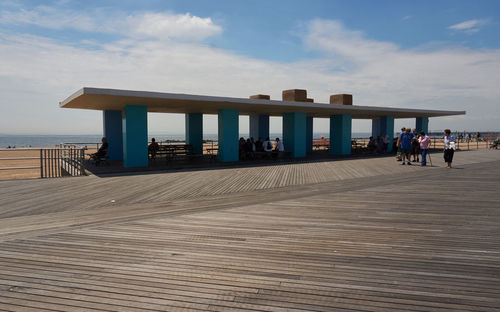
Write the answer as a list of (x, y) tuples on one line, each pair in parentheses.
[(60, 162), (51, 162), (84, 145), (463, 144), (436, 143)]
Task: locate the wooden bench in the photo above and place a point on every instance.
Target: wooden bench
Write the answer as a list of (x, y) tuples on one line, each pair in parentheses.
[(262, 155), (272, 155)]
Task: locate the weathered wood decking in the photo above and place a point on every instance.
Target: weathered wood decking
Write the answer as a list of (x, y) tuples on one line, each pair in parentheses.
[(353, 235)]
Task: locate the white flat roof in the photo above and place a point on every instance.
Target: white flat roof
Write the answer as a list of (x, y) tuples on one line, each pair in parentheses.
[(114, 99)]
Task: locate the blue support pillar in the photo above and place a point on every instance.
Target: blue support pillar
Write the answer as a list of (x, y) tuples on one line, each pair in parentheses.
[(259, 126), (194, 132), (228, 135), (340, 134), (422, 124), (112, 126), (387, 127), (294, 133), (376, 128), (135, 136), (309, 134)]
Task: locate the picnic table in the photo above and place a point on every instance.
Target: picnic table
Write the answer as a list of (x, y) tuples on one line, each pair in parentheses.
[(212, 150), (321, 144), (357, 146), (212, 153), (174, 152)]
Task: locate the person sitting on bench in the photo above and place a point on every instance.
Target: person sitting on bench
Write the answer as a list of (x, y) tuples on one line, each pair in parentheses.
[(268, 146), (278, 149), (495, 144), (153, 148), (102, 152)]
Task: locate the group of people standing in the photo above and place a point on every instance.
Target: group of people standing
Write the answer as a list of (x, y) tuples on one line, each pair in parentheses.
[(411, 143)]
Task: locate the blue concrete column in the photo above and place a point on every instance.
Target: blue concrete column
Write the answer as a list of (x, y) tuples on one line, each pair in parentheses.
[(112, 126), (387, 127), (259, 126), (135, 136), (309, 134), (228, 135), (422, 124), (376, 128), (294, 133), (194, 132), (340, 134)]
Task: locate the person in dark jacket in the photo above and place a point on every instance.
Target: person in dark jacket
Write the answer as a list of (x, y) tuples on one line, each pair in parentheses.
[(103, 150)]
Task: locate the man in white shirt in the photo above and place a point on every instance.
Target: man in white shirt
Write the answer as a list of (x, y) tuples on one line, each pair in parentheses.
[(268, 146), (385, 139)]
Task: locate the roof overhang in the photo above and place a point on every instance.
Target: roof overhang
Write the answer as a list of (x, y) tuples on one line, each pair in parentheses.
[(113, 99)]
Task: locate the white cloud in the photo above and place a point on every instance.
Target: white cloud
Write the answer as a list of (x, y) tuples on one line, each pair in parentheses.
[(157, 25), (334, 38), (49, 17), (167, 25), (469, 26), (465, 25), (381, 73), (456, 69), (36, 73)]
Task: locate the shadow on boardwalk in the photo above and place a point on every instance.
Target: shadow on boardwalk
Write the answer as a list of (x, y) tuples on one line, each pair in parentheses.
[(115, 168)]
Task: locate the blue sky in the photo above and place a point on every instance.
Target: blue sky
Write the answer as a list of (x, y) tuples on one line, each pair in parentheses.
[(419, 54)]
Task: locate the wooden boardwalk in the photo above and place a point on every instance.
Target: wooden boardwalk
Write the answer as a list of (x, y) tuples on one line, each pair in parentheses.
[(352, 235)]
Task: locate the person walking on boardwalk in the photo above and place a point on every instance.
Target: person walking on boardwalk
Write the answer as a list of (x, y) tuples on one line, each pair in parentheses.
[(398, 144), (415, 146), (406, 139), (425, 143), (449, 147)]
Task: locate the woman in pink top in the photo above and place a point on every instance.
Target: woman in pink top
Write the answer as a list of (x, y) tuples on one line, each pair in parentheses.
[(425, 143)]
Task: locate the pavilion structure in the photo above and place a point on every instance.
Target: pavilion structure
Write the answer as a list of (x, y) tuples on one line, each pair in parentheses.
[(125, 119)]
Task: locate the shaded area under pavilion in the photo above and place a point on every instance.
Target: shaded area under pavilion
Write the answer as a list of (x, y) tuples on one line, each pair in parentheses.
[(125, 119)]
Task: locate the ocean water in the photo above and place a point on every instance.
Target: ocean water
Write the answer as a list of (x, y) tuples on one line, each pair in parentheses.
[(53, 140), (7, 140)]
